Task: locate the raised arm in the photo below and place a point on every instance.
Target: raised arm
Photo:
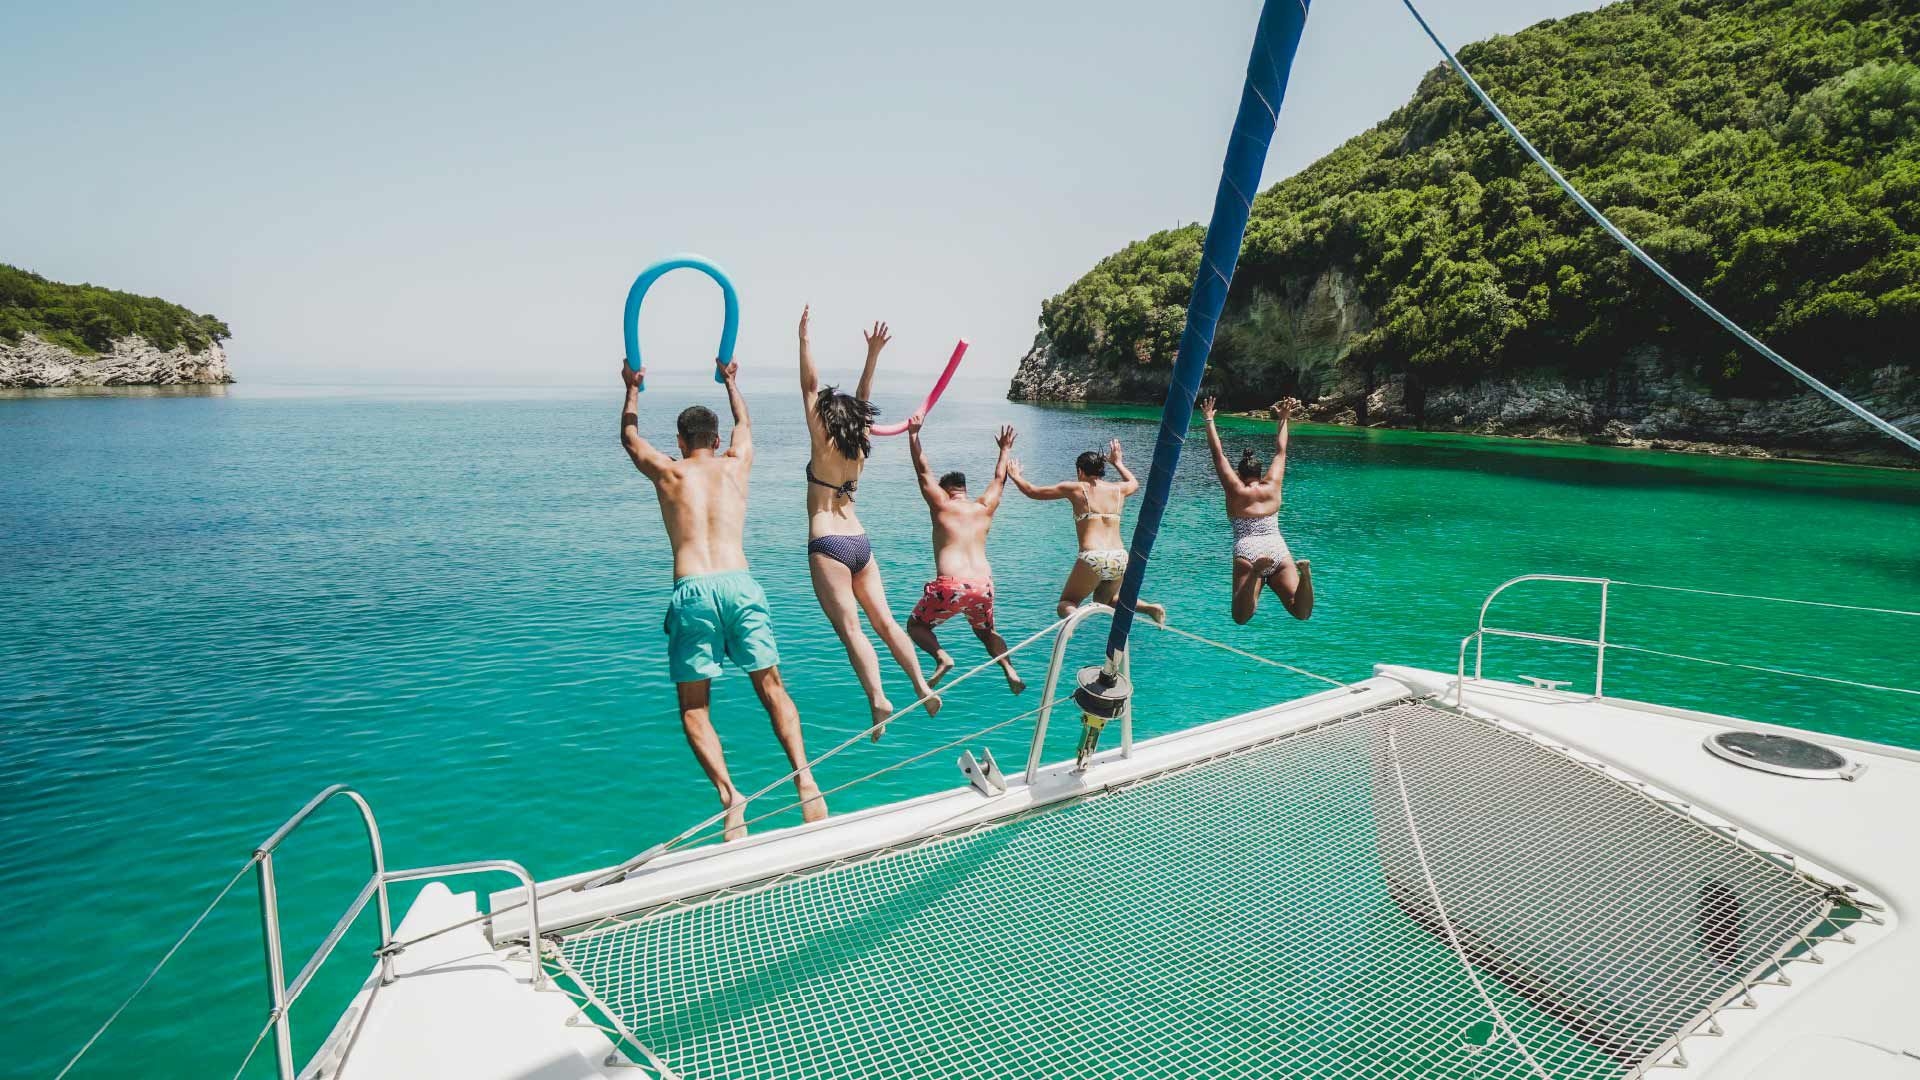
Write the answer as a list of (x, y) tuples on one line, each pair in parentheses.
[(1126, 475), (645, 458), (1282, 412), (809, 375), (740, 443), (991, 497), (877, 339), (1051, 491), (929, 487), (1228, 478)]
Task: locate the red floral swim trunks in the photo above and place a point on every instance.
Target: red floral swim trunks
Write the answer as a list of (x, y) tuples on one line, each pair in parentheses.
[(945, 597)]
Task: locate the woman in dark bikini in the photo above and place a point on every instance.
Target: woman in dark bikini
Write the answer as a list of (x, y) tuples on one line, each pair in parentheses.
[(846, 576)]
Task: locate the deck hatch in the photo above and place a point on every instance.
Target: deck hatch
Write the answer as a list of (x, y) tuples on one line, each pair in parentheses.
[(1782, 755), (1268, 913)]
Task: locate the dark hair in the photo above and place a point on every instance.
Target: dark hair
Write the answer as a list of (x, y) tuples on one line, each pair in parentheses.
[(1093, 463), (846, 419), (699, 427), (955, 480), (1250, 468)]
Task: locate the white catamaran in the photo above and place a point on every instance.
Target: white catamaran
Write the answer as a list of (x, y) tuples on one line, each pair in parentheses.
[(1422, 874)]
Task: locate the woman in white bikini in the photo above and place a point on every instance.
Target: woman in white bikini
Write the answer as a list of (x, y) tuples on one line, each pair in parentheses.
[(1096, 503), (846, 576), (1260, 555)]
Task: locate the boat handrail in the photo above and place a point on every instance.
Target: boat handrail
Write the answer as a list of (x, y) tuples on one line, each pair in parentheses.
[(1600, 643), (282, 995), (1060, 641), (279, 1000)]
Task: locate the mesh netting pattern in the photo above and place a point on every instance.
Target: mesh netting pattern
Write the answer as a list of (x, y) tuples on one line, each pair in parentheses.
[(1264, 914)]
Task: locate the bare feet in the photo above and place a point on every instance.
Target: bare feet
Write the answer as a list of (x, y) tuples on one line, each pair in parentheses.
[(1152, 611), (812, 806), (942, 663), (1303, 596), (736, 820), (1015, 683), (933, 703), (881, 710)]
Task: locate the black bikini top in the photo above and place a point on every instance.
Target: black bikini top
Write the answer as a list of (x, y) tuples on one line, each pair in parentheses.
[(844, 491)]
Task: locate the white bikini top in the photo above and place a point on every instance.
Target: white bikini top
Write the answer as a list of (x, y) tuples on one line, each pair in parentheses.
[(1094, 514)]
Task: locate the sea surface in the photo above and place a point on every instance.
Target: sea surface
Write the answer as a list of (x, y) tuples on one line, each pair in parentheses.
[(212, 605)]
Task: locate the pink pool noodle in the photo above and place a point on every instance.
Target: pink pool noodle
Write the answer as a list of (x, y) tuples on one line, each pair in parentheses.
[(933, 396)]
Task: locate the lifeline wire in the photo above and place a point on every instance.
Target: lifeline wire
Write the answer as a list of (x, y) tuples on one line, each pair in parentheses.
[(1256, 657), (620, 872), (1764, 669), (204, 912), (901, 764), (255, 1048), (1646, 260), (1756, 596)]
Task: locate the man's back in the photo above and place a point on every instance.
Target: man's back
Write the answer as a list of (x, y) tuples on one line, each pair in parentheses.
[(703, 501), (960, 528)]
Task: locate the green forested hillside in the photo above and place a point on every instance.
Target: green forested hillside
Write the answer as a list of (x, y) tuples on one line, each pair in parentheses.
[(1767, 151), (88, 319)]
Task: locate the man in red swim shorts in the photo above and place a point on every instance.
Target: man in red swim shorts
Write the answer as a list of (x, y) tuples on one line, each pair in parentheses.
[(964, 581)]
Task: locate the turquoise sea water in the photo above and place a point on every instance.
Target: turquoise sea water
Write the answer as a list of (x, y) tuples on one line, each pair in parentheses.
[(215, 605)]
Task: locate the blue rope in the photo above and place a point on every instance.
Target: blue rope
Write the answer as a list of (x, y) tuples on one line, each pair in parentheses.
[(1274, 43), (1647, 260)]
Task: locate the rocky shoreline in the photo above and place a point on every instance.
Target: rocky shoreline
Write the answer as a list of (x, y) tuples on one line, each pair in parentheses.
[(34, 363), (1644, 404)]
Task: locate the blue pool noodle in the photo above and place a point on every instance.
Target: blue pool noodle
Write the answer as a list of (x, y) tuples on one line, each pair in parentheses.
[(729, 329)]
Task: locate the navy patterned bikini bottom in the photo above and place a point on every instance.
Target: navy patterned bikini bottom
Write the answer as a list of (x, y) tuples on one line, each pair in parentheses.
[(851, 551)]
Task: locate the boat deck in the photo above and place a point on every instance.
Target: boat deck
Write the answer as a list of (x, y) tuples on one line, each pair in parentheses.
[(1289, 892), (1853, 1017), (458, 1007)]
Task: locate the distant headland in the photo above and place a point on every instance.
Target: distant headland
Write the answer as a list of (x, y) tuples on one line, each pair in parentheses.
[(58, 335)]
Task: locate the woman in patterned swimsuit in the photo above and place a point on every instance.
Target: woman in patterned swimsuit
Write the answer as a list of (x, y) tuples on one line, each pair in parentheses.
[(1260, 555), (846, 576), (1097, 503)]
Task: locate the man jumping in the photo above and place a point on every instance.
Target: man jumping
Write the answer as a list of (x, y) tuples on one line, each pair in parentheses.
[(963, 582), (717, 607)]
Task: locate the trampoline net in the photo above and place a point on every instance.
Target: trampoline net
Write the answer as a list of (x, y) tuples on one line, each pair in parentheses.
[(1267, 913)]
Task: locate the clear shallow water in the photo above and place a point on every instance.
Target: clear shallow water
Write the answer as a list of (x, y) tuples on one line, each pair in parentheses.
[(213, 606)]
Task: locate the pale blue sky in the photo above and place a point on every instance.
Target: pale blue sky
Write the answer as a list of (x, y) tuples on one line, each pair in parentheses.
[(419, 193)]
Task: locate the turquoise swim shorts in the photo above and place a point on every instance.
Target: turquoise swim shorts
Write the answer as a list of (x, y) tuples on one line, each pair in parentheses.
[(711, 614)]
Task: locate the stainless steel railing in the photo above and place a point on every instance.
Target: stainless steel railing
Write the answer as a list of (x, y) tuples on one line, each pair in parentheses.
[(1481, 632), (279, 1000), (1061, 638), (1600, 644), (281, 995)]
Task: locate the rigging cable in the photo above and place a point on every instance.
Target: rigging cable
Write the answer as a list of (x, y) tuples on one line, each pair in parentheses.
[(1647, 260), (144, 983)]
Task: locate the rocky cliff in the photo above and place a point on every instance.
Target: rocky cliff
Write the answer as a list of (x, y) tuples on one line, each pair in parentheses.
[(1648, 399), (131, 361)]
